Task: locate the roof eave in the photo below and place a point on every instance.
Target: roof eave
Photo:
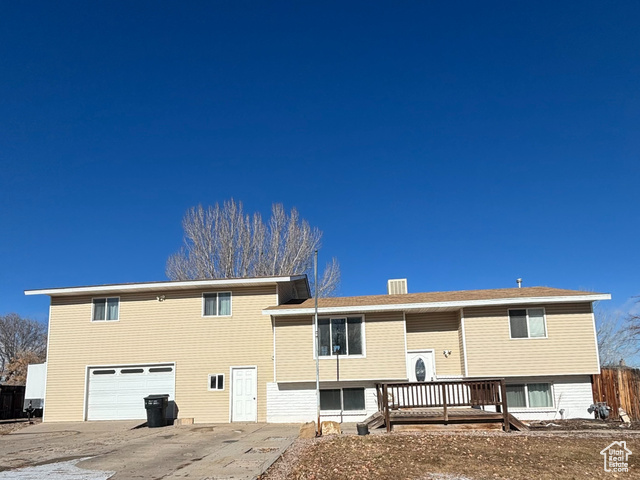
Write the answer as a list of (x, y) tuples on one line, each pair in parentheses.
[(439, 305), (164, 286)]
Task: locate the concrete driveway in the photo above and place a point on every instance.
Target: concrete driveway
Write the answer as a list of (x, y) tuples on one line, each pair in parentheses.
[(117, 450)]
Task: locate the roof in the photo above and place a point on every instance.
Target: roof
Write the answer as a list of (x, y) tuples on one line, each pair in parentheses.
[(437, 300), (301, 280)]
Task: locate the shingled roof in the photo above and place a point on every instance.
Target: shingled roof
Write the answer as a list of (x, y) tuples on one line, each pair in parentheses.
[(438, 299)]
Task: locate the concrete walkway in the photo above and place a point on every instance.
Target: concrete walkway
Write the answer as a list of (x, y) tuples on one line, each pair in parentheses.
[(117, 450)]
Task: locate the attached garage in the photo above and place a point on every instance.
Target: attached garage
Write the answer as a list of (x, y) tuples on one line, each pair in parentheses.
[(117, 392)]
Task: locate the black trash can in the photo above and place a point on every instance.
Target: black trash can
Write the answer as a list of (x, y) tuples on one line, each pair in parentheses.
[(156, 406)]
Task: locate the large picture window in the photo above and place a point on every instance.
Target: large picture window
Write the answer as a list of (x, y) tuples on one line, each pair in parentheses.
[(530, 395), (340, 336), (345, 399), (527, 323), (105, 309), (216, 304)]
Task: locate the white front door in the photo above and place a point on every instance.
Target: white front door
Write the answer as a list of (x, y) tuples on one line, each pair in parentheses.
[(244, 386), (421, 366)]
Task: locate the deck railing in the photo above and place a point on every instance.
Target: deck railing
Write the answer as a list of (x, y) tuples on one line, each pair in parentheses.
[(486, 392)]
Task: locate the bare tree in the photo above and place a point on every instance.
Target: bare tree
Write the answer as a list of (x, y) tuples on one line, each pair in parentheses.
[(18, 336), (224, 242), (617, 342)]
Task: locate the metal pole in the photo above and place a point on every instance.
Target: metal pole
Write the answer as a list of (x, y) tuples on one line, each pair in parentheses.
[(315, 283)]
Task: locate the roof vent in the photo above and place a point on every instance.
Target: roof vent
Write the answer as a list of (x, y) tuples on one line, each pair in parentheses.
[(397, 286)]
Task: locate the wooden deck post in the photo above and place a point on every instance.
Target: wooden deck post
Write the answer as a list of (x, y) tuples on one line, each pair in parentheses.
[(503, 401), (444, 401), (385, 403)]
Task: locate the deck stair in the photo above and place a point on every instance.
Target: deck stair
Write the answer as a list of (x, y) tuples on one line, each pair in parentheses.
[(517, 424), (374, 421)]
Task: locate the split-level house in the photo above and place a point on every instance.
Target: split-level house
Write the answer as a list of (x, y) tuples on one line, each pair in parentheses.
[(244, 350)]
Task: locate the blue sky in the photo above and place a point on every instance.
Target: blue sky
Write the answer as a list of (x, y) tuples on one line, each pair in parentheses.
[(458, 144)]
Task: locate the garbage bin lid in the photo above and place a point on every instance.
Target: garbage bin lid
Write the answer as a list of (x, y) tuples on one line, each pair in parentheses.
[(154, 397)]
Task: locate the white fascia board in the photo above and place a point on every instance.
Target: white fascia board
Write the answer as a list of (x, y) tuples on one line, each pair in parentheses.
[(436, 305), (157, 286)]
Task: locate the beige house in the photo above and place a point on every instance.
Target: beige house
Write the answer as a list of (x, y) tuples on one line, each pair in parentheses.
[(243, 350)]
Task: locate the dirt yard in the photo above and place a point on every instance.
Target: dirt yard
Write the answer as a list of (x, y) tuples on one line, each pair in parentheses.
[(8, 426), (449, 456)]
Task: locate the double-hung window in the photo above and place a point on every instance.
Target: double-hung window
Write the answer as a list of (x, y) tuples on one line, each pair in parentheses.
[(216, 304), (105, 309), (527, 323), (345, 399), (530, 395), (341, 336)]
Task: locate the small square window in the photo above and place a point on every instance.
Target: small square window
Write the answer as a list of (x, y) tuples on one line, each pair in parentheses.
[(105, 309), (216, 381), (216, 304), (527, 323)]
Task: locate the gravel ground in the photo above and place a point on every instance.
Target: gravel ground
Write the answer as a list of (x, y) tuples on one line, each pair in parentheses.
[(455, 456)]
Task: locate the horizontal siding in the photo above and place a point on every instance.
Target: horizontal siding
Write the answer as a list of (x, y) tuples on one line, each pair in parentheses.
[(568, 349), (149, 331), (384, 346), (440, 332)]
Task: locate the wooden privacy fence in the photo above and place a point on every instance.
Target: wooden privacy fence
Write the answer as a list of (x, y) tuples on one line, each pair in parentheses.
[(619, 387), (11, 401), (478, 393)]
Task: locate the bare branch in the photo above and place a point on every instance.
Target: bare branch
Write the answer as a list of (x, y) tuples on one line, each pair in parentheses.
[(224, 242)]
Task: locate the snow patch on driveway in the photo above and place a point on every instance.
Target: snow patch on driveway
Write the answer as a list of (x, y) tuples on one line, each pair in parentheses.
[(56, 471)]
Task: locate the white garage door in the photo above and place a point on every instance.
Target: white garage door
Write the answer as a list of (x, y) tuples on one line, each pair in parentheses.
[(117, 393)]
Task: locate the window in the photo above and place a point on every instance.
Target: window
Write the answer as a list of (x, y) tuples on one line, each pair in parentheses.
[(340, 336), (531, 395), (216, 304), (345, 399), (527, 323), (216, 381), (105, 309)]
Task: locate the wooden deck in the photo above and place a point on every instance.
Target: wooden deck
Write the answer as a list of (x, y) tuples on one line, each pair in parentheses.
[(479, 401)]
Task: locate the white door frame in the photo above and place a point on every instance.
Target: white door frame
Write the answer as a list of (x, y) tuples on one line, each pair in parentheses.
[(255, 386), (425, 351)]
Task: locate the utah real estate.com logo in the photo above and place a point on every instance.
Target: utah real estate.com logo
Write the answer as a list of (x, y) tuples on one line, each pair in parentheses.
[(616, 457)]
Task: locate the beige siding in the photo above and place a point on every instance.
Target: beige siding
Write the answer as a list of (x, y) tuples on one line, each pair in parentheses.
[(149, 331), (440, 332), (384, 347), (568, 349)]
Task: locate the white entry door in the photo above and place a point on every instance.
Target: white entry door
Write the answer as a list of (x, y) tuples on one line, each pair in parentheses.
[(244, 386), (421, 366)]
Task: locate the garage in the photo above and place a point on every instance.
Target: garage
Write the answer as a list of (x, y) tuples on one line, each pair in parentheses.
[(117, 392)]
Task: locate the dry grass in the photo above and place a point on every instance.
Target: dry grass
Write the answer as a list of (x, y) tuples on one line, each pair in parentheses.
[(473, 455)]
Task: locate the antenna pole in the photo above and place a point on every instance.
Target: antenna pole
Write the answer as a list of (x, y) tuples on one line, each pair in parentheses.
[(315, 283)]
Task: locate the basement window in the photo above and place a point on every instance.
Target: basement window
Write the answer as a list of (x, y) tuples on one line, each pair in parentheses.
[(216, 382), (345, 399), (530, 395)]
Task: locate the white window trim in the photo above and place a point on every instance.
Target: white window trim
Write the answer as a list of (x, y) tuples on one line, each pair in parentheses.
[(328, 413), (331, 356), (528, 337), (105, 309), (526, 399), (224, 382), (218, 304)]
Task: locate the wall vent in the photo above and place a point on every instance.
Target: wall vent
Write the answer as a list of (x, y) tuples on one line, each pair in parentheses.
[(397, 286)]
